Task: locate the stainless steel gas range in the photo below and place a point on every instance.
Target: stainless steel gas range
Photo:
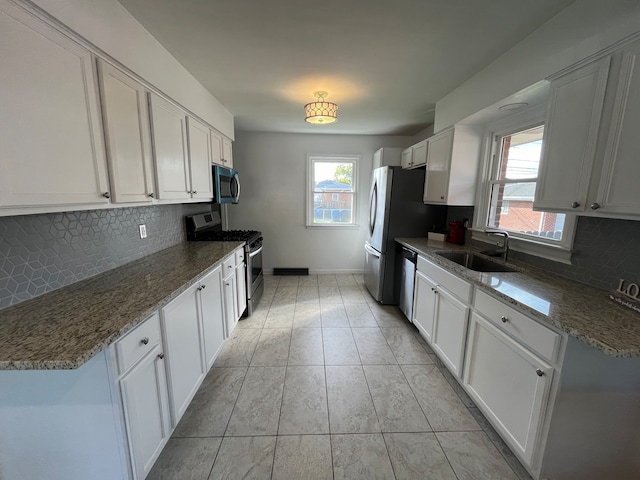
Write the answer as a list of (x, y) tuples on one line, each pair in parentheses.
[(208, 227)]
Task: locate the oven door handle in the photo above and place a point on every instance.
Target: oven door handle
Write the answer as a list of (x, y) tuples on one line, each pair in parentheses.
[(253, 254)]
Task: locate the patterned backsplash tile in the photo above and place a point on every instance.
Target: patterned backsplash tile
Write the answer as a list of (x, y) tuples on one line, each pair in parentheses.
[(39, 253)]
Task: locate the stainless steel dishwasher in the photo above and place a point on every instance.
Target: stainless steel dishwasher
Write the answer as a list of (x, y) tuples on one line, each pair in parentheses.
[(409, 259)]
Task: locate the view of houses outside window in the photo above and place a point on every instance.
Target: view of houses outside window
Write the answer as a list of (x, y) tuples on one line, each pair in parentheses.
[(333, 191), (514, 186)]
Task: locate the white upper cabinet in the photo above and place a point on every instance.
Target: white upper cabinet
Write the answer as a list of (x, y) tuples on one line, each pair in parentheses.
[(200, 159), (414, 156), (619, 192), (452, 166), (386, 156), (51, 147), (573, 118), (127, 136), (221, 150), (590, 157), (168, 124)]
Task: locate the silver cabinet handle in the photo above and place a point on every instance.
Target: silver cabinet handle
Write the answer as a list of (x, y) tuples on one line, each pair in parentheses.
[(203, 287), (106, 195), (575, 204), (161, 356), (441, 197), (227, 284), (504, 319), (595, 206), (144, 341), (194, 192), (150, 195), (539, 372)]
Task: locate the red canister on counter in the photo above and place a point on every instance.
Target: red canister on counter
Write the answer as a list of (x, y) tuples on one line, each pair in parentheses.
[(456, 232)]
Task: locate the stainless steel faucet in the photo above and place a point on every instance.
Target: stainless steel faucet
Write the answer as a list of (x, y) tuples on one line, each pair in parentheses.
[(505, 243)]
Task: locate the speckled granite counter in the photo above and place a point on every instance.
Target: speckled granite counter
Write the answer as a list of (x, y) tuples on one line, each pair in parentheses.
[(583, 312), (64, 328)]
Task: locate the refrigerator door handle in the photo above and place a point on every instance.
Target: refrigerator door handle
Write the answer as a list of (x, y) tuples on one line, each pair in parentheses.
[(373, 207), (371, 250)]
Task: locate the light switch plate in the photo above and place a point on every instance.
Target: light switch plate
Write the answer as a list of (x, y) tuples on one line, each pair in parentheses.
[(143, 231)]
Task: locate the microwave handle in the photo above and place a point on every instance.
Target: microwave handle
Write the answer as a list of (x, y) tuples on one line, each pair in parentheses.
[(236, 182)]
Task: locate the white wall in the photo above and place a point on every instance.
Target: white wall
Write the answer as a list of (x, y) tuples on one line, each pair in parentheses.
[(111, 28), (583, 28), (273, 178)]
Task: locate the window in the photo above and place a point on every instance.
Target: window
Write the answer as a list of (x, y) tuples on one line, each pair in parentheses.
[(509, 189), (331, 192)]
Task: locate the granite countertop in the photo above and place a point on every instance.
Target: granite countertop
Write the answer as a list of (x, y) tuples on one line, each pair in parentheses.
[(65, 328), (582, 311)]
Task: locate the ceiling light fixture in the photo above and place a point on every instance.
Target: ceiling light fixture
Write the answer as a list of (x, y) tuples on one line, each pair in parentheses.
[(321, 112), (513, 106)]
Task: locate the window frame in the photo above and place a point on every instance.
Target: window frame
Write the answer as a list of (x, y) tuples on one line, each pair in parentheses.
[(310, 193), (547, 248)]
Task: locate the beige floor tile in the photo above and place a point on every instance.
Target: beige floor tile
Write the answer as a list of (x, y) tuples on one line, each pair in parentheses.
[(238, 349), (304, 404), (474, 457), (186, 458), (440, 404), (301, 457), (372, 347), (339, 347), (351, 408), (418, 456), (308, 281), (406, 348), (257, 410), (211, 408), (334, 315), (306, 347), (272, 349), (244, 458), (360, 457)]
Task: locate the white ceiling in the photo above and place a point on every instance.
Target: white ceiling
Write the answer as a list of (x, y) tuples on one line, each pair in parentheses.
[(384, 62)]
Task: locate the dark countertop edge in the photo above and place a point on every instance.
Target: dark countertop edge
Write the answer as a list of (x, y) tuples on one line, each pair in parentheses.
[(475, 278), (73, 364)]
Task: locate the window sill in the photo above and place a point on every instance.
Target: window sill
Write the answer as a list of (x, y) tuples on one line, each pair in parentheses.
[(555, 253), (331, 226)]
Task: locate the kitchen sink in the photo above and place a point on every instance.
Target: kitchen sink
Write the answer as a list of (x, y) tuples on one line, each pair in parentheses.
[(475, 262)]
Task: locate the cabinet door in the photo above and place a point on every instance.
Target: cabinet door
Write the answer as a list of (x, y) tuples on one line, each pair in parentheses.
[(450, 330), (181, 330), (145, 402), (508, 383), (51, 143), (227, 152), (216, 148), (241, 282), (168, 125), (424, 304), (436, 180), (406, 157), (200, 159), (230, 302), (619, 192), (127, 135), (571, 129), (419, 154), (212, 314)]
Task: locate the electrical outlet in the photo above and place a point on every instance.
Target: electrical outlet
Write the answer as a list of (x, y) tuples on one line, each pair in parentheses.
[(143, 231)]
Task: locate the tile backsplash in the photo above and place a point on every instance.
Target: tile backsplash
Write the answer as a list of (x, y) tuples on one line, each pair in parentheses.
[(39, 253)]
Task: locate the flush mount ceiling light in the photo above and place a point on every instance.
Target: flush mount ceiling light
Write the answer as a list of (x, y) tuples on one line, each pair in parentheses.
[(513, 106), (321, 112)]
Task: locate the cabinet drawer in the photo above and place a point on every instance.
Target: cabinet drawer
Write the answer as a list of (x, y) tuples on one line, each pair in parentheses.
[(449, 281), (239, 256), (228, 265), (532, 334), (135, 344)]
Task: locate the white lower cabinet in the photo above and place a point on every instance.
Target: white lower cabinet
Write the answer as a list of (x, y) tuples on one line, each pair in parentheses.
[(241, 283), (440, 312), (509, 383), (449, 329), (182, 337), (230, 301), (140, 359), (212, 313), (424, 304)]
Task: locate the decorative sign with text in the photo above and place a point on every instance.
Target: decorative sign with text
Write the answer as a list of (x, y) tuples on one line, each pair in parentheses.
[(627, 294)]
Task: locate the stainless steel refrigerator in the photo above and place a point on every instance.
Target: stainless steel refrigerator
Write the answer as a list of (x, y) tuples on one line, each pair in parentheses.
[(395, 210)]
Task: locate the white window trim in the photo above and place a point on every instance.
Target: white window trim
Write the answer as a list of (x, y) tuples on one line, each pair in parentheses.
[(309, 201), (556, 251)]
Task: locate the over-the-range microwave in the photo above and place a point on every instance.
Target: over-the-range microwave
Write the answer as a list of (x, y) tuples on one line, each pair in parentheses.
[(226, 185)]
